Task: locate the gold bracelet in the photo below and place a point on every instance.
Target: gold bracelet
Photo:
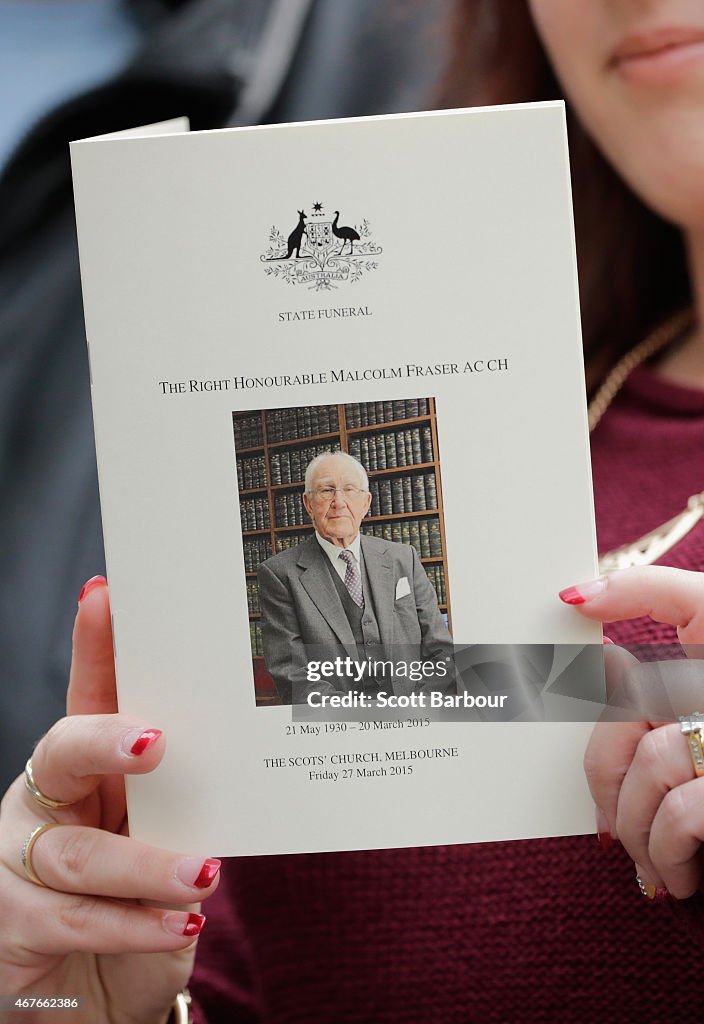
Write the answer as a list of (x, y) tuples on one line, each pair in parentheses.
[(181, 1008)]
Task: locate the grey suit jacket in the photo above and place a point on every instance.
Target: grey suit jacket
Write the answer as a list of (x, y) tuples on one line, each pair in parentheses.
[(303, 618)]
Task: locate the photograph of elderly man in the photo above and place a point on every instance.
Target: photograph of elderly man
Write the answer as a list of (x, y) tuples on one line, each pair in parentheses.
[(344, 594)]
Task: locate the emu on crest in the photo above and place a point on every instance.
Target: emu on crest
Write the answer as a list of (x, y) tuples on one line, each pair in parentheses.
[(346, 234)]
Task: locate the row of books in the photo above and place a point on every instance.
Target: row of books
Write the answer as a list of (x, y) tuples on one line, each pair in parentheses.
[(254, 513), (284, 541), (289, 510), (384, 451), (309, 420), (303, 421), (403, 493), (252, 597), (289, 465), (436, 575), (256, 551), (248, 431), (255, 639), (393, 448), (423, 534), (251, 472), (366, 414)]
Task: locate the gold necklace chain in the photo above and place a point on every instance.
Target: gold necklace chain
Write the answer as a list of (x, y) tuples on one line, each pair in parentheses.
[(660, 338), (653, 545)]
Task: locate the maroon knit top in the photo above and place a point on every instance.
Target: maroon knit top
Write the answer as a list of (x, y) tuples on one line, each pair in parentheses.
[(499, 933)]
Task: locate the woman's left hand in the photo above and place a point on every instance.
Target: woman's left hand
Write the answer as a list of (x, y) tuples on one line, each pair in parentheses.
[(641, 773)]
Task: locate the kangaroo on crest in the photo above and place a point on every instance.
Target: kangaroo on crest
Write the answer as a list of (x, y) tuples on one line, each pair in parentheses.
[(296, 237)]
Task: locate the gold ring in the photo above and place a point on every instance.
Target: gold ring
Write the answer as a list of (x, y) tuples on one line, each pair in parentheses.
[(27, 848), (650, 891), (692, 726), (36, 792)]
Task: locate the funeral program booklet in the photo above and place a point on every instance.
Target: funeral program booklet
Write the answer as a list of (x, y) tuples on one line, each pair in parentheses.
[(340, 420)]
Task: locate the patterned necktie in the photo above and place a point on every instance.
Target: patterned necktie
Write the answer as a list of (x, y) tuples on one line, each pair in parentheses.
[(353, 580)]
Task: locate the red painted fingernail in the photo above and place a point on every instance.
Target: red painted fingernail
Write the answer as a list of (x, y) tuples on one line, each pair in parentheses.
[(91, 584), (584, 592), (608, 640), (604, 839), (194, 872), (194, 924), (184, 924), (144, 741), (208, 873)]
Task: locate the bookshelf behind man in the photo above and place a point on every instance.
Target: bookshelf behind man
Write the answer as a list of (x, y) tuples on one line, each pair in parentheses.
[(397, 443)]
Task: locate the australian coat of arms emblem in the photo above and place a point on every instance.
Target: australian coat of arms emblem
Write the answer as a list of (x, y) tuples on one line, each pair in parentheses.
[(321, 253)]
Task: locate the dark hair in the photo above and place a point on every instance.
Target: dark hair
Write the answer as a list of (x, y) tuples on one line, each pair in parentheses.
[(632, 263)]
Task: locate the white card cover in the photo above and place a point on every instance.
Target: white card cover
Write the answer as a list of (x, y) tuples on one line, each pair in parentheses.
[(344, 265)]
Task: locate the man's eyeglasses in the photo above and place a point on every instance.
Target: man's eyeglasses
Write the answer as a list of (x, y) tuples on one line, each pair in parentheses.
[(349, 492)]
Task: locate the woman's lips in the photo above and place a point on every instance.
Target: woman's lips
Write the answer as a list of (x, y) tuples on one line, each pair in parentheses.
[(661, 56)]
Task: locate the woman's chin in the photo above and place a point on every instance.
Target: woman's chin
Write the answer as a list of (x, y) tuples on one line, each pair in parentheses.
[(665, 164)]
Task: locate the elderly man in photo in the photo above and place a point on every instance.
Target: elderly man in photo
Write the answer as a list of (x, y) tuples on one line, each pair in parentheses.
[(341, 594)]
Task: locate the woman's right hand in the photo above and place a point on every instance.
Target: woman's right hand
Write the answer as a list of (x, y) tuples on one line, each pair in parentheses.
[(103, 904)]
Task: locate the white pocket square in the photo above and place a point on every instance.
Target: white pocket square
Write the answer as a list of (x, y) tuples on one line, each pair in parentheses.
[(402, 587)]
